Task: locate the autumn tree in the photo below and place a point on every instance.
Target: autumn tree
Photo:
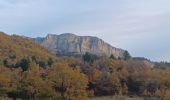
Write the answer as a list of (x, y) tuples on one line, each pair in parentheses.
[(108, 84), (5, 80), (33, 86), (71, 84), (164, 83)]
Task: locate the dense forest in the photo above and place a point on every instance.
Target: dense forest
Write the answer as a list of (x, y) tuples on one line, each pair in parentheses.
[(29, 71)]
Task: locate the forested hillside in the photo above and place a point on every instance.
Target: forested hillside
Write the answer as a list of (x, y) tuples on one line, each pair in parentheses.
[(124, 77), (15, 47), (29, 71)]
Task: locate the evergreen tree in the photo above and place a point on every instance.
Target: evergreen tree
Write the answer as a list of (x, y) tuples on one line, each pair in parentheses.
[(42, 64), (112, 57), (50, 61), (89, 58), (23, 63), (126, 55)]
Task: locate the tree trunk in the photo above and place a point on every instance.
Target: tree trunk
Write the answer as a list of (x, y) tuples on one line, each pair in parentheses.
[(62, 91)]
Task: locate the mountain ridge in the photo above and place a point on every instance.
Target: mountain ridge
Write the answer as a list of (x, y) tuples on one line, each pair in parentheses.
[(71, 44)]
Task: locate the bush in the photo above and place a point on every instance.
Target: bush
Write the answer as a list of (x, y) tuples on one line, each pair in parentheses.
[(89, 58), (23, 63)]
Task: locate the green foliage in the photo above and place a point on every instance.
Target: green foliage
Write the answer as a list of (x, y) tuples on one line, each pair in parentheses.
[(112, 57), (42, 64), (5, 62), (126, 55), (50, 62), (23, 63), (89, 58)]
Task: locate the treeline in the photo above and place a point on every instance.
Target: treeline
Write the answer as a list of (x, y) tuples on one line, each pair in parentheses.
[(24, 63), (73, 78), (28, 79), (124, 76)]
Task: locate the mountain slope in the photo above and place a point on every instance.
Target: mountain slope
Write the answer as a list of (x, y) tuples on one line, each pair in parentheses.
[(15, 47), (70, 44)]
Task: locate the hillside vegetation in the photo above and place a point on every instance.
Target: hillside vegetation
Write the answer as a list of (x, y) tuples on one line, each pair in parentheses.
[(29, 71), (17, 47)]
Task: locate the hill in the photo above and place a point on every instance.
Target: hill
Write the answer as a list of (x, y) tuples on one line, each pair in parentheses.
[(29, 71), (14, 47)]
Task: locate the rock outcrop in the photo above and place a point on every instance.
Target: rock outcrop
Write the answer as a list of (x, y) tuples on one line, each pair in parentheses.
[(71, 44)]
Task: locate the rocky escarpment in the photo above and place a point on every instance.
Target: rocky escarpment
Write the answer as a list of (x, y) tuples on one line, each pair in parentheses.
[(70, 44)]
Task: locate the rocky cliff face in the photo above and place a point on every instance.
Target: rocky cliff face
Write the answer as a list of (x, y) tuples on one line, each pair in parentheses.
[(70, 44)]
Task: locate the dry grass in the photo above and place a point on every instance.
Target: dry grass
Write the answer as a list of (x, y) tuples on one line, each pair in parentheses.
[(116, 98)]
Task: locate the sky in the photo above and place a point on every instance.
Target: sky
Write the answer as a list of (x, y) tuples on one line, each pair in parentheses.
[(140, 26)]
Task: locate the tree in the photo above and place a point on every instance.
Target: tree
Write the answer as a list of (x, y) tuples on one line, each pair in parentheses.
[(23, 63), (42, 64), (34, 59), (164, 83), (89, 58), (71, 84), (5, 80), (108, 84), (112, 57), (126, 55), (50, 62), (5, 62), (152, 87), (136, 83), (32, 86), (16, 75)]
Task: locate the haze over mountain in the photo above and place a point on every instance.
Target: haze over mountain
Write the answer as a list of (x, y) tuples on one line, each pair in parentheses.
[(71, 44)]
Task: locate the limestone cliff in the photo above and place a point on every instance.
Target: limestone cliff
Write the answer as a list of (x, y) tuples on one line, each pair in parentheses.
[(70, 44)]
